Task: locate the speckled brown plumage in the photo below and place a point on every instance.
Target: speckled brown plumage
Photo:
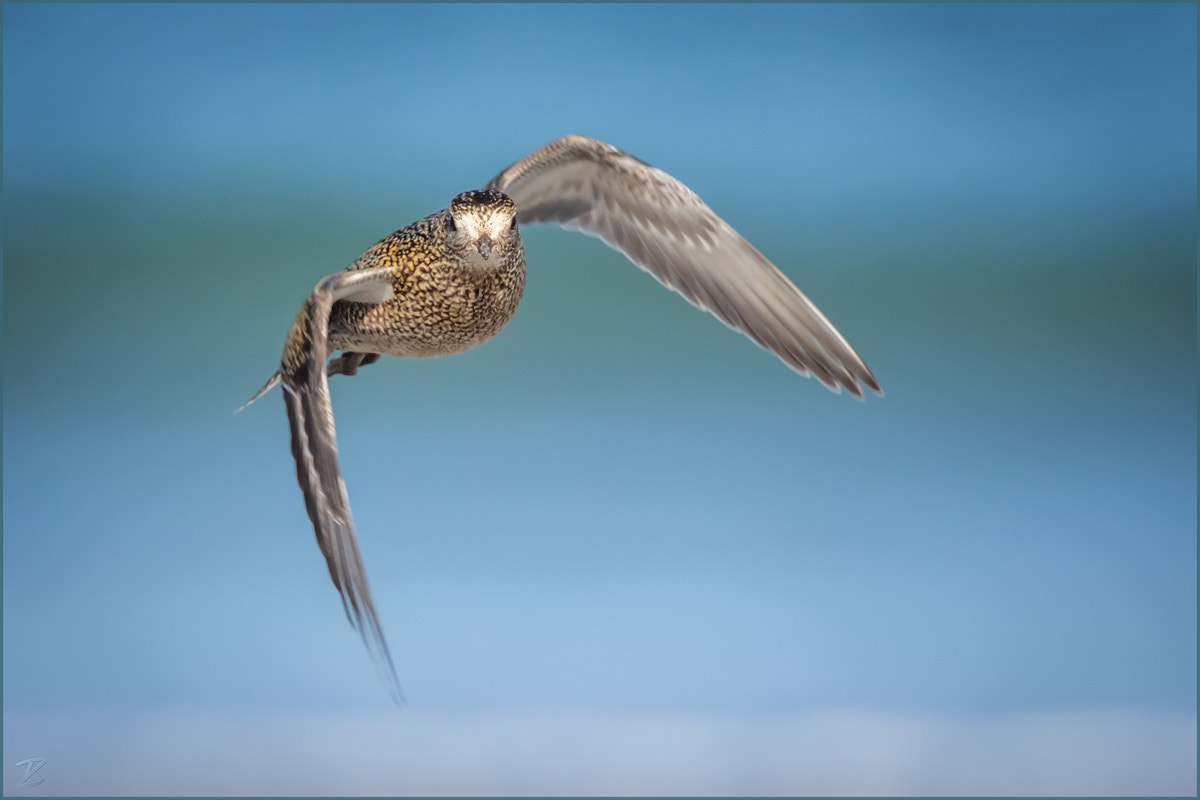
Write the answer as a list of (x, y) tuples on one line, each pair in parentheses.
[(440, 304), (443, 284), (452, 280)]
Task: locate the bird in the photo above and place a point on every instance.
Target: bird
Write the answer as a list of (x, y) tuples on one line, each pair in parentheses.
[(451, 281)]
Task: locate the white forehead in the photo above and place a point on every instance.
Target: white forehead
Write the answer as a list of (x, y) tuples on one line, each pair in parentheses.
[(478, 220)]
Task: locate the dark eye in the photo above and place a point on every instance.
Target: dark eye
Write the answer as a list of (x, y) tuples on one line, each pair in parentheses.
[(449, 223), (513, 226)]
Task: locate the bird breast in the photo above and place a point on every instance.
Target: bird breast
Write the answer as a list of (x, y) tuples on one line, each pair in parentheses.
[(436, 310)]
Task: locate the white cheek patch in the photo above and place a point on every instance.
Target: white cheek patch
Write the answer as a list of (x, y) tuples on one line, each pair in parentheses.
[(501, 224)]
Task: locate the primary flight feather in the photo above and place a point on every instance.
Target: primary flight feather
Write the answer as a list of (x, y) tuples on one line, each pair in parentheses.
[(452, 280)]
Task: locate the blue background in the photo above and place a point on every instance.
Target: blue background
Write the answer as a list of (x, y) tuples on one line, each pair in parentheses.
[(618, 548)]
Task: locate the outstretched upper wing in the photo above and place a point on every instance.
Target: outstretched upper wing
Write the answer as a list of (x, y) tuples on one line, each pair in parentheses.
[(314, 446), (663, 227)]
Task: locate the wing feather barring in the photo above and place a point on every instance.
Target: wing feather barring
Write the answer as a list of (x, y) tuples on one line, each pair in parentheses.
[(451, 281)]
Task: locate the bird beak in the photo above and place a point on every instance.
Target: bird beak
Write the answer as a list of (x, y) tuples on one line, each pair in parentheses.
[(484, 244)]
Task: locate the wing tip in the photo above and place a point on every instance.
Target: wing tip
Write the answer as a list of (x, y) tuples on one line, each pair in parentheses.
[(860, 382), (271, 383), (853, 382)]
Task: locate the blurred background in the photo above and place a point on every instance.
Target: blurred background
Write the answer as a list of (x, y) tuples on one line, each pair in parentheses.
[(618, 549)]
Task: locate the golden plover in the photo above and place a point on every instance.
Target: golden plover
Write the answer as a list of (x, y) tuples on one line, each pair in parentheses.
[(451, 281)]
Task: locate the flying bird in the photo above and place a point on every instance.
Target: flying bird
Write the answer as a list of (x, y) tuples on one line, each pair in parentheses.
[(451, 281)]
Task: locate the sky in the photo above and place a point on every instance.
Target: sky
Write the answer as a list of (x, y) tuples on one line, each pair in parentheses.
[(619, 549)]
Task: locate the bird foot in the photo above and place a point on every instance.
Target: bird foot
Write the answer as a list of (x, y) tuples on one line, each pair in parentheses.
[(348, 363)]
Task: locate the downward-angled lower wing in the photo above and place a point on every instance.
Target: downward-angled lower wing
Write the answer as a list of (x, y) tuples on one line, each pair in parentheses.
[(314, 446), (664, 228)]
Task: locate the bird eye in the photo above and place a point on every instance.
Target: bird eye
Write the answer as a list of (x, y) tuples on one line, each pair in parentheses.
[(449, 223), (513, 226)]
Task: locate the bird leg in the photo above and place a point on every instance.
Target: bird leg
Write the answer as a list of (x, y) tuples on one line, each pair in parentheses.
[(349, 362)]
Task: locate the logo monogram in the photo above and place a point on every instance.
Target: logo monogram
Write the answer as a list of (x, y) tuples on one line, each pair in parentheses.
[(31, 765)]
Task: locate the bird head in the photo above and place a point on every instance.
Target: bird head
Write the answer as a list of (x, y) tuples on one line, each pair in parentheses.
[(484, 221)]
